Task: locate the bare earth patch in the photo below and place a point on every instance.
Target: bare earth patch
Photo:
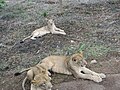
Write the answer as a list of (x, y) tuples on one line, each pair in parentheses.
[(93, 28)]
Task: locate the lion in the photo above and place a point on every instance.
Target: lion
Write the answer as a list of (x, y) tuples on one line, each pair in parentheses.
[(71, 65), (38, 76), (49, 28), (41, 82)]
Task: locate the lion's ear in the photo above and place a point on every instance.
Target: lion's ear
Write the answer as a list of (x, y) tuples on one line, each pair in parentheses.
[(81, 52)]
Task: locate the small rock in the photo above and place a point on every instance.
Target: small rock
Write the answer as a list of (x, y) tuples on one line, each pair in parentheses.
[(72, 41), (93, 62), (2, 45)]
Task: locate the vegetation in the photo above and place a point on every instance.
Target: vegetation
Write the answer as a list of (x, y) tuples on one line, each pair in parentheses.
[(89, 50), (2, 3)]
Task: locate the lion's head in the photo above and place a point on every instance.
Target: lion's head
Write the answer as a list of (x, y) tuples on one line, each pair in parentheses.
[(42, 81), (50, 21), (41, 78), (77, 60)]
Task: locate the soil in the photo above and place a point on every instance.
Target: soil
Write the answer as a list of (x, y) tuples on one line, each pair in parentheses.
[(93, 28)]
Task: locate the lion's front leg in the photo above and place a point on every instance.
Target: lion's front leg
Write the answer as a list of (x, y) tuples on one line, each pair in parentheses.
[(90, 77), (76, 72), (58, 32), (58, 29), (88, 71)]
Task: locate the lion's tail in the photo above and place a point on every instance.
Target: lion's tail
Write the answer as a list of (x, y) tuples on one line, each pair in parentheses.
[(23, 83), (18, 73), (26, 38)]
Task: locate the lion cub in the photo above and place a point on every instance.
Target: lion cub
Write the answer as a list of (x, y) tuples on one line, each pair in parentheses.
[(38, 76), (74, 64), (41, 82), (50, 28)]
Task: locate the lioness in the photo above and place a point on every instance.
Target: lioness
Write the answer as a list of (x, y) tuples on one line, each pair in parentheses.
[(50, 28), (74, 64), (38, 76)]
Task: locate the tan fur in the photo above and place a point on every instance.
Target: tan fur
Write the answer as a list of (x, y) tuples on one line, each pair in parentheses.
[(61, 64), (41, 82), (50, 28), (74, 64), (39, 78)]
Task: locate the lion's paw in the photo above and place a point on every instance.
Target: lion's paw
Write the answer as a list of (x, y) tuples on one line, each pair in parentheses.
[(97, 79), (63, 33), (102, 75)]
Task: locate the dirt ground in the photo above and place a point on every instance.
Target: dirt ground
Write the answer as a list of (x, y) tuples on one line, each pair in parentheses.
[(93, 28)]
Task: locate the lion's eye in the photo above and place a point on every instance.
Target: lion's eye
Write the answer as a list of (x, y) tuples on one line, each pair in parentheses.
[(74, 59)]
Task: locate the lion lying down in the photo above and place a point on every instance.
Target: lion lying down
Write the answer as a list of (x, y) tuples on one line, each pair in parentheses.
[(38, 76), (74, 64), (49, 28)]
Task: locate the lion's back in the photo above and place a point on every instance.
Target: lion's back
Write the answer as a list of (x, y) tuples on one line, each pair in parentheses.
[(57, 64)]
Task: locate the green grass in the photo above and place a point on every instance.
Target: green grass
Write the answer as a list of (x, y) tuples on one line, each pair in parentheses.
[(89, 49), (2, 3), (96, 50)]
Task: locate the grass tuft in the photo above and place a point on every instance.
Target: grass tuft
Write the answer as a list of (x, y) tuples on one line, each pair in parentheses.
[(2, 3)]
